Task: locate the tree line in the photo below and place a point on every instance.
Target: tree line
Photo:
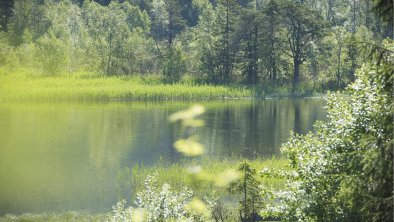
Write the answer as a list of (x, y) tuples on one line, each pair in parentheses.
[(272, 42)]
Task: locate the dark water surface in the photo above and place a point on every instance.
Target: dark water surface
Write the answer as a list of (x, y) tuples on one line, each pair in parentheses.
[(61, 156)]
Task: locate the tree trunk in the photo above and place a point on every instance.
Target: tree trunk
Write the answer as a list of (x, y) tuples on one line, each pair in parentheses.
[(352, 55), (109, 53), (296, 72), (368, 20), (255, 54), (227, 50), (272, 62), (353, 16), (170, 27), (329, 15), (339, 53)]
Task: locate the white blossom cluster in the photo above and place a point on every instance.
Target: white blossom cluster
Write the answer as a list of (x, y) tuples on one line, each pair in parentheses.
[(121, 213), (155, 204)]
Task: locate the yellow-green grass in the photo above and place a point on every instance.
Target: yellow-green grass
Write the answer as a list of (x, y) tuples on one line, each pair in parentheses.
[(74, 216), (77, 88), (131, 179)]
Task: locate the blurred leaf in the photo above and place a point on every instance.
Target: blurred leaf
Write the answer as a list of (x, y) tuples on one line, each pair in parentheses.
[(189, 147), (197, 207), (226, 177), (194, 169), (139, 215), (188, 114), (193, 123)]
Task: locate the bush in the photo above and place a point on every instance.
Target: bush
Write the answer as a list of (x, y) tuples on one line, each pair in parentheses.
[(158, 204), (344, 170), (163, 204)]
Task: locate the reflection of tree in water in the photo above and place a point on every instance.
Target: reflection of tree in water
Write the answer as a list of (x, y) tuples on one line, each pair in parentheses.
[(255, 127), (156, 136), (306, 113), (274, 126), (110, 135), (227, 126), (252, 128), (297, 118), (258, 127)]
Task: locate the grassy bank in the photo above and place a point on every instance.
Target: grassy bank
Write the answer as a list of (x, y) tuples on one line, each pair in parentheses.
[(94, 88)]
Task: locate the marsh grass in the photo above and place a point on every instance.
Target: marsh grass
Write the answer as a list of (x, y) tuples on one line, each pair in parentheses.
[(90, 87), (87, 88), (130, 180)]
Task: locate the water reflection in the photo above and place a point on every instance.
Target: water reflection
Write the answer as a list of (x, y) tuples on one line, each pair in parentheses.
[(56, 157), (259, 127)]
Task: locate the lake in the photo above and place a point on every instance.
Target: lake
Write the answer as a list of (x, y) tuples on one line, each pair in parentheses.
[(65, 156)]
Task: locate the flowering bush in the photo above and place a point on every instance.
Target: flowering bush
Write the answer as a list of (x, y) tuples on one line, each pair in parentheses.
[(120, 213), (155, 204), (163, 204)]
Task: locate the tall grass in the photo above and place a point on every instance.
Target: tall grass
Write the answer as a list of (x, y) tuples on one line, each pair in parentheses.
[(130, 180), (90, 87), (27, 88)]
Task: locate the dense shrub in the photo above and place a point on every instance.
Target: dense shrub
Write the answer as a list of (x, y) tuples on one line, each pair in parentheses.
[(344, 171)]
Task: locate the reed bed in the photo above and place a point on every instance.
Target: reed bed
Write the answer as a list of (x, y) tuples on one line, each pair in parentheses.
[(65, 88)]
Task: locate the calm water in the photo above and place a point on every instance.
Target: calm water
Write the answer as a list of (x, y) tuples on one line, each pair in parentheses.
[(57, 157)]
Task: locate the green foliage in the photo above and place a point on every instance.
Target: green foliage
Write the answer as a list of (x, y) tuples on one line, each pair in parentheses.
[(117, 36), (6, 12), (92, 38), (174, 65), (8, 58), (214, 35), (263, 43), (385, 10), (56, 63), (304, 27), (344, 171)]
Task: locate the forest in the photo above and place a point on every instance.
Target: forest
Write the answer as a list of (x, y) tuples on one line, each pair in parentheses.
[(309, 43), (196, 110)]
